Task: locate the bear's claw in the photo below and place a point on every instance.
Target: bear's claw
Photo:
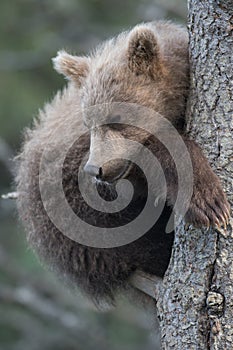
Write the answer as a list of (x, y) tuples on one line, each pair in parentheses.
[(209, 207)]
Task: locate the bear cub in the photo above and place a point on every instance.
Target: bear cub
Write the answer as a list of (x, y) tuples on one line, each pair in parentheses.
[(148, 67)]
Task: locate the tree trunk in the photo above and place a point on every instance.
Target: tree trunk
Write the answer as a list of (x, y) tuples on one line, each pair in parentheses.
[(195, 305)]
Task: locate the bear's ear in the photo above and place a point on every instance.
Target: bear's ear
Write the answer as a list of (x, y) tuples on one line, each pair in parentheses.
[(72, 67), (143, 51)]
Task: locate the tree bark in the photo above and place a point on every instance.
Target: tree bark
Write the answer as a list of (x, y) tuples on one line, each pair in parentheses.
[(195, 305)]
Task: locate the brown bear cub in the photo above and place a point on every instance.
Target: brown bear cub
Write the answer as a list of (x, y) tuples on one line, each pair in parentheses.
[(146, 66)]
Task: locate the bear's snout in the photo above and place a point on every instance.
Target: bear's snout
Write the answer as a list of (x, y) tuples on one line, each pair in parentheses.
[(93, 170), (110, 171)]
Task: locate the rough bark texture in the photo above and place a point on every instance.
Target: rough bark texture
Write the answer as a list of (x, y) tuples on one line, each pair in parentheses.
[(196, 303)]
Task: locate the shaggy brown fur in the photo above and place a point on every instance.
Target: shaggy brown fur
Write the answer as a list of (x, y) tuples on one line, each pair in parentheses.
[(148, 66)]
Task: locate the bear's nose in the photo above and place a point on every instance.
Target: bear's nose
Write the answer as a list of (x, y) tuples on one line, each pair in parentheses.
[(93, 170)]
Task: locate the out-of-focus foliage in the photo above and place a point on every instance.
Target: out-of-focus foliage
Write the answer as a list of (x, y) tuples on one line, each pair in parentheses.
[(37, 312)]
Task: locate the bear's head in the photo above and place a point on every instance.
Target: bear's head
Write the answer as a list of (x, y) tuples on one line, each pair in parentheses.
[(140, 70)]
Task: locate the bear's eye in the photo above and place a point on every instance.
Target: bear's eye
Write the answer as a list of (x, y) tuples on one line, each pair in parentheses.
[(115, 123), (117, 126), (115, 119)]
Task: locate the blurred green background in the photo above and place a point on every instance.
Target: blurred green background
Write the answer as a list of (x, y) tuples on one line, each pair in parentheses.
[(36, 312)]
